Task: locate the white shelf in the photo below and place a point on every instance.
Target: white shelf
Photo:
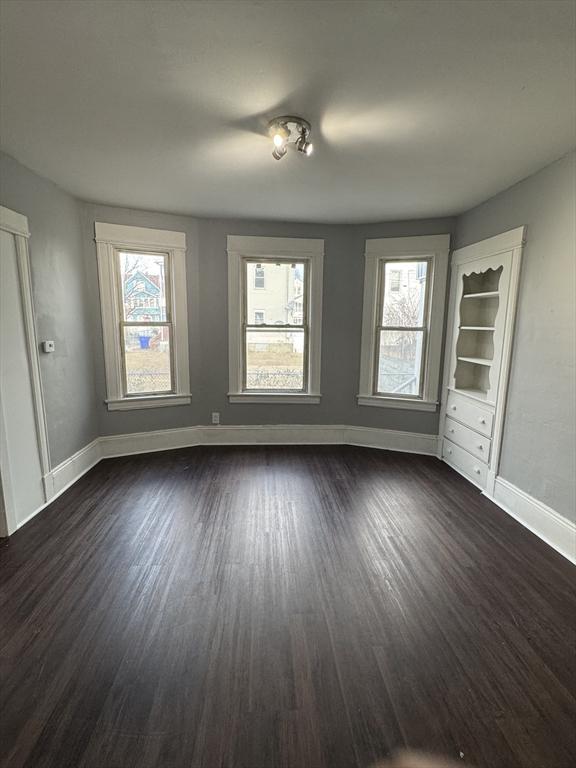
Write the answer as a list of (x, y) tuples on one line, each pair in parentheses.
[(476, 360), (482, 295), (477, 328), (478, 394)]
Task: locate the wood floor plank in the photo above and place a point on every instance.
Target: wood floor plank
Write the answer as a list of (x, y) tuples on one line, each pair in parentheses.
[(282, 607)]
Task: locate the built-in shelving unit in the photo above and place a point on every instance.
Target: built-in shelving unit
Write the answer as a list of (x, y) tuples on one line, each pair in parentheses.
[(484, 284), (479, 305), (478, 394)]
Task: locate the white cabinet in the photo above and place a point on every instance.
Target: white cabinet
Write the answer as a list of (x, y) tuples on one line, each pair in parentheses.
[(484, 286)]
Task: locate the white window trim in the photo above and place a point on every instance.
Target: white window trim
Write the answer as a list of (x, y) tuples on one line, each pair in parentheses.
[(301, 249), (109, 239), (437, 249)]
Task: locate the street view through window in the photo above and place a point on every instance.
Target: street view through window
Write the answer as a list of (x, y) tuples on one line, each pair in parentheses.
[(145, 325), (401, 329), (275, 326)]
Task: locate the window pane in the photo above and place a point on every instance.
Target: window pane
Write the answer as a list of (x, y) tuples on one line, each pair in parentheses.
[(277, 291), (143, 277), (147, 356), (399, 362), (404, 293), (275, 360)]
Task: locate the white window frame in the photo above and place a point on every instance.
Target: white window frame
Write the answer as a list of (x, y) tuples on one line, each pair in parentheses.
[(110, 240), (435, 249), (242, 248)]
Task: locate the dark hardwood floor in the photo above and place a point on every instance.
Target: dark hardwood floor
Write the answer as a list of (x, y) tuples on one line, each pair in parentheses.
[(282, 607)]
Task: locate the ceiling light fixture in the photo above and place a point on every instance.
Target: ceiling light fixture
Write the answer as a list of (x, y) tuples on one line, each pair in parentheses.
[(290, 130)]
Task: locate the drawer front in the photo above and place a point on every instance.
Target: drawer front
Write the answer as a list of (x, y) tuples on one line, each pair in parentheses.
[(468, 412), (467, 464), (475, 443)]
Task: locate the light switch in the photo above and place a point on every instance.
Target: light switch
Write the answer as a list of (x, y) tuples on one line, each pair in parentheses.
[(48, 346)]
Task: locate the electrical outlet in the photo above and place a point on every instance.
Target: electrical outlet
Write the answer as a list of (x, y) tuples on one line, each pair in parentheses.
[(48, 346), (215, 418)]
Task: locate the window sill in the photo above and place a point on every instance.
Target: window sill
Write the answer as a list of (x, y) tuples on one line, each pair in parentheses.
[(402, 403), (150, 401), (261, 397)]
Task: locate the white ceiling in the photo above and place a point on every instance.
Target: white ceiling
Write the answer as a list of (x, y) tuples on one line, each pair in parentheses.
[(418, 108)]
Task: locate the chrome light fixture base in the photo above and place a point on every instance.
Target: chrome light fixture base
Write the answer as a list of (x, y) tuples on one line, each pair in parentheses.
[(290, 130)]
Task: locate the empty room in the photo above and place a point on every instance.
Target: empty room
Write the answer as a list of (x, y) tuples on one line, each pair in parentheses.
[(287, 383)]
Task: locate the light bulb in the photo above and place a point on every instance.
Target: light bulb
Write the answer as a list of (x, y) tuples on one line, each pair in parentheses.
[(309, 148), (278, 140), (279, 152)]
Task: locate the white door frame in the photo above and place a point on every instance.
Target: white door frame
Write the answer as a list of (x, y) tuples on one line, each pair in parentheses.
[(17, 225)]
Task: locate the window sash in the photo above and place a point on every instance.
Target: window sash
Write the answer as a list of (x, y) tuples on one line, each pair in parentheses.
[(267, 327), (122, 324), (277, 329), (172, 390), (379, 327)]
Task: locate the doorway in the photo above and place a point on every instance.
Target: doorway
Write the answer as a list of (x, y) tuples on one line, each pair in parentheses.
[(24, 457)]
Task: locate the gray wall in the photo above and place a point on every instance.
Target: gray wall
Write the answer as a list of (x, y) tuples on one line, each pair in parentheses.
[(61, 302), (208, 324), (538, 447), (538, 450)]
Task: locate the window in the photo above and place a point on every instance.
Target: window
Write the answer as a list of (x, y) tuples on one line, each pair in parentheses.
[(145, 334), (404, 293), (142, 276), (400, 332), (274, 350), (394, 280), (259, 276)]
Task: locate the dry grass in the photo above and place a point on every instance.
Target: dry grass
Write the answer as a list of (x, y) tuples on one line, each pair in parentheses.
[(276, 356), (150, 360)]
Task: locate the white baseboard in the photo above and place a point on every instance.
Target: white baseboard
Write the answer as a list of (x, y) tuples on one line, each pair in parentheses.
[(556, 530), (147, 442), (392, 440), (68, 471), (264, 434), (66, 474)]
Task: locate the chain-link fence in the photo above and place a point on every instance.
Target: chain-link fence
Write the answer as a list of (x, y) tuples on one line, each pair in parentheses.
[(281, 378), (148, 381)]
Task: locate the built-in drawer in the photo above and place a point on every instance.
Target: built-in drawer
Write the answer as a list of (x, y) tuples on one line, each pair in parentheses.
[(475, 443), (468, 412), (465, 462)]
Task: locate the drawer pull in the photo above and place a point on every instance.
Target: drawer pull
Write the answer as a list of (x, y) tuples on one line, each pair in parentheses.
[(482, 420), (449, 450), (480, 447), (453, 407), (451, 430), (476, 470)]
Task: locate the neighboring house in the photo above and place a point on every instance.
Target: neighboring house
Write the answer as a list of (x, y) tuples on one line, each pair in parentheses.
[(142, 298), (275, 296)]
